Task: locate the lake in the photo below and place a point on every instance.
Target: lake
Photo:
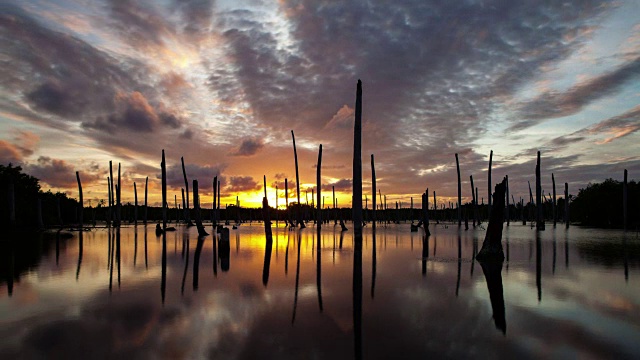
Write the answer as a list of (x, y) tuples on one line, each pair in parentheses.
[(561, 293)]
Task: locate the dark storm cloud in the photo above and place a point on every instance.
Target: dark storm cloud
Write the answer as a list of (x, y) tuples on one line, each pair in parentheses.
[(553, 104), (249, 147), (242, 183)]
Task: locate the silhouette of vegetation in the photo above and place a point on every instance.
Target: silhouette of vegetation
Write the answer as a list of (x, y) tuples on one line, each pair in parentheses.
[(600, 205), (26, 193)]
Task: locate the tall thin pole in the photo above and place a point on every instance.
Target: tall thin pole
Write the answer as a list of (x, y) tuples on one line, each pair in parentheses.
[(539, 219), (567, 219), (459, 192), (186, 186), (164, 193), (357, 164), (135, 209), (146, 204), (507, 195), (555, 203), (319, 186), (295, 155), (489, 183), (81, 205), (373, 190), (624, 199)]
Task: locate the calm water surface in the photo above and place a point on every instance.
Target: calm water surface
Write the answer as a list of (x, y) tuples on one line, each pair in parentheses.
[(561, 294)]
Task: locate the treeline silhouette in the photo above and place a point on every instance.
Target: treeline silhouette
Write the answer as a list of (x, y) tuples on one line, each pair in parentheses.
[(26, 190), (600, 205)]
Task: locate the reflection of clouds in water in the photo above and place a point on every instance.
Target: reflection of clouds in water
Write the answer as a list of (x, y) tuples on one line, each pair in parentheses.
[(590, 308)]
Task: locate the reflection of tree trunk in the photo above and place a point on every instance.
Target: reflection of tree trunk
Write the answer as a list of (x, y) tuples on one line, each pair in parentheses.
[(135, 245), (319, 266), (163, 281), (493, 275), (626, 258), (111, 261), (186, 265), (459, 262), (539, 266), (553, 268), (286, 256), (215, 256), (357, 296), (80, 251), (118, 251), (425, 254), (146, 263), (196, 262), (373, 260), (473, 254), (295, 297), (267, 262)]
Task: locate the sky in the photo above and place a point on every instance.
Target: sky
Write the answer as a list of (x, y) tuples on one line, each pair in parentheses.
[(223, 83)]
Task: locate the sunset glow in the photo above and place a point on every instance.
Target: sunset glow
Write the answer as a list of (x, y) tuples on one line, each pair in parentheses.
[(222, 84)]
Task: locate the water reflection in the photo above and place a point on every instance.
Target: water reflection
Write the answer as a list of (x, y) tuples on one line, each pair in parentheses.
[(60, 285), (493, 275), (357, 296)]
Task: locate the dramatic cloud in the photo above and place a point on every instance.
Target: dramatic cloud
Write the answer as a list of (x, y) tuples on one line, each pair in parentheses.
[(553, 104), (242, 183), (204, 175), (249, 147), (224, 83), (23, 145), (340, 185)]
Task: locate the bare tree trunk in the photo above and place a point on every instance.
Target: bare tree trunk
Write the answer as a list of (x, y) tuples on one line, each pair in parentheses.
[(373, 191), (146, 204), (187, 216), (196, 209), (163, 167), (489, 181), (135, 209), (81, 205), (119, 198), (555, 203), (474, 201), (492, 245), (624, 200), (539, 214), (507, 195), (110, 200), (299, 209), (357, 164), (459, 192), (567, 219), (319, 186), (113, 195)]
